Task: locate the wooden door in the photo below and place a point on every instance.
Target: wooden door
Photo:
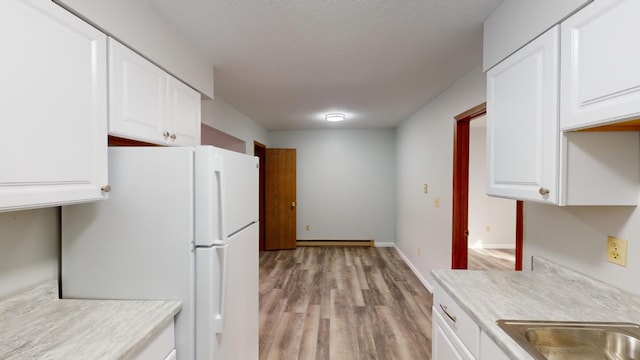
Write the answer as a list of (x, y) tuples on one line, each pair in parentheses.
[(280, 202)]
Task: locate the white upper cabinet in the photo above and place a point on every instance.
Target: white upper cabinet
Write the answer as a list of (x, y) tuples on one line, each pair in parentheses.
[(53, 143), (183, 113), (515, 23), (522, 123), (529, 158), (600, 71), (147, 104), (137, 93)]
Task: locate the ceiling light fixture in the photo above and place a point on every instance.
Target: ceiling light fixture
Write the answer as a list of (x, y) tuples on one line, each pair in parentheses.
[(333, 117)]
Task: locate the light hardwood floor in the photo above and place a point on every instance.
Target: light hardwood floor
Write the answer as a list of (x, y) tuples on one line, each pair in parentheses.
[(491, 259), (342, 303)]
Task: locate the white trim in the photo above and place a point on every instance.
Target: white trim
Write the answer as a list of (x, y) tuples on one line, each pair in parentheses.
[(384, 244), (424, 282), (493, 246)]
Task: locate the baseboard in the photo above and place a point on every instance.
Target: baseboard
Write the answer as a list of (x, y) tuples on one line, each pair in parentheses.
[(384, 244), (367, 243), (424, 281)]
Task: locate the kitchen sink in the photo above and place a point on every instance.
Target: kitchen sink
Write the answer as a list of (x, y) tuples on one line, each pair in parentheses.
[(551, 340)]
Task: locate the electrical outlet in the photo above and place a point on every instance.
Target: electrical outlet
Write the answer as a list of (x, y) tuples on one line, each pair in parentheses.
[(419, 251), (487, 228), (426, 188), (617, 251), (436, 202), (308, 227)]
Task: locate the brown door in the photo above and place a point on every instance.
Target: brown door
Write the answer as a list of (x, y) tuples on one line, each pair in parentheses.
[(460, 231), (280, 199)]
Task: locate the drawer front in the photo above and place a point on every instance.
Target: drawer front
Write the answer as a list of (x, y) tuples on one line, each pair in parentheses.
[(463, 326), (161, 346)]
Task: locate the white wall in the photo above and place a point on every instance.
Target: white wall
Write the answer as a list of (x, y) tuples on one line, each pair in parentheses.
[(492, 220), (224, 117), (425, 155), (29, 246), (137, 25), (345, 182), (576, 237)]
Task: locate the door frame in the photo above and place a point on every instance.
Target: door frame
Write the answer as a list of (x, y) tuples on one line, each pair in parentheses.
[(259, 150), (460, 232)]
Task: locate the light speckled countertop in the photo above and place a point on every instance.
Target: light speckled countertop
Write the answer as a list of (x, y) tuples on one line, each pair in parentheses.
[(550, 292), (35, 324)]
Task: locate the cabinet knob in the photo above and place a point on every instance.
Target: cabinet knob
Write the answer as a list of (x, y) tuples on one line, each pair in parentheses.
[(173, 136), (165, 134), (543, 191), (106, 188)]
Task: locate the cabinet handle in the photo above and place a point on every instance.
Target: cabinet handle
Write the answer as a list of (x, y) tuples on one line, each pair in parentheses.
[(106, 188), (543, 191), (173, 136), (165, 134), (444, 309)]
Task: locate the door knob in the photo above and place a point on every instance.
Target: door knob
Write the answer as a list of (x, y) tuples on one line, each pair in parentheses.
[(543, 191), (293, 204)]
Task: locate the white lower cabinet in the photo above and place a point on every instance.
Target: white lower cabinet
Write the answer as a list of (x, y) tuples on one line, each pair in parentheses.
[(456, 336), (161, 347), (147, 104), (489, 350), (446, 344), (53, 143)]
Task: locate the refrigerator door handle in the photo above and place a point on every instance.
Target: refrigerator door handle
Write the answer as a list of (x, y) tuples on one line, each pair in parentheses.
[(218, 320), (219, 170)]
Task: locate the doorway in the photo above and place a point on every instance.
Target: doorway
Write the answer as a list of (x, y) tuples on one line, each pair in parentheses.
[(460, 231), (260, 150)]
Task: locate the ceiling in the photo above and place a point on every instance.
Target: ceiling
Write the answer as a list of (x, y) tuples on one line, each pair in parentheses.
[(286, 63)]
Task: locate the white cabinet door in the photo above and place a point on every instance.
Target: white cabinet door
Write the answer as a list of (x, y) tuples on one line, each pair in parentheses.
[(489, 350), (600, 72), (183, 115), (53, 143), (445, 344), (522, 123), (147, 104), (137, 96)]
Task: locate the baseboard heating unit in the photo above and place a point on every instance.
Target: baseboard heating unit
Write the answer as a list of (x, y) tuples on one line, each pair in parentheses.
[(367, 243)]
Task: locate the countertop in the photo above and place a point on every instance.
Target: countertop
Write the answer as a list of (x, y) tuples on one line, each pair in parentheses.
[(36, 324), (550, 292)]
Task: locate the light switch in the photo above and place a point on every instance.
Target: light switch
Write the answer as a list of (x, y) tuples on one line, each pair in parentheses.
[(436, 202), (426, 188)]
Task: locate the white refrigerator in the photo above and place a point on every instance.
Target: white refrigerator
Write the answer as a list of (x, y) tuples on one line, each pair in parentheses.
[(180, 223)]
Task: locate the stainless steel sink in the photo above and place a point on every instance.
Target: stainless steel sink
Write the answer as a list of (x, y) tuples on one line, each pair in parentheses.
[(551, 340)]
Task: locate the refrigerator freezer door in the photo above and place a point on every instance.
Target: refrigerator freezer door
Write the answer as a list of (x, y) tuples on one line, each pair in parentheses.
[(227, 298), (227, 193)]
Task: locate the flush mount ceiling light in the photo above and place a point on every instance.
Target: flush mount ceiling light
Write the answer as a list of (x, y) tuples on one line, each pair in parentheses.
[(333, 117)]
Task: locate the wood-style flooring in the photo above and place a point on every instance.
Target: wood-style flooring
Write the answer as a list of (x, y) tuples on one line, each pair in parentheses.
[(491, 259), (342, 303)]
